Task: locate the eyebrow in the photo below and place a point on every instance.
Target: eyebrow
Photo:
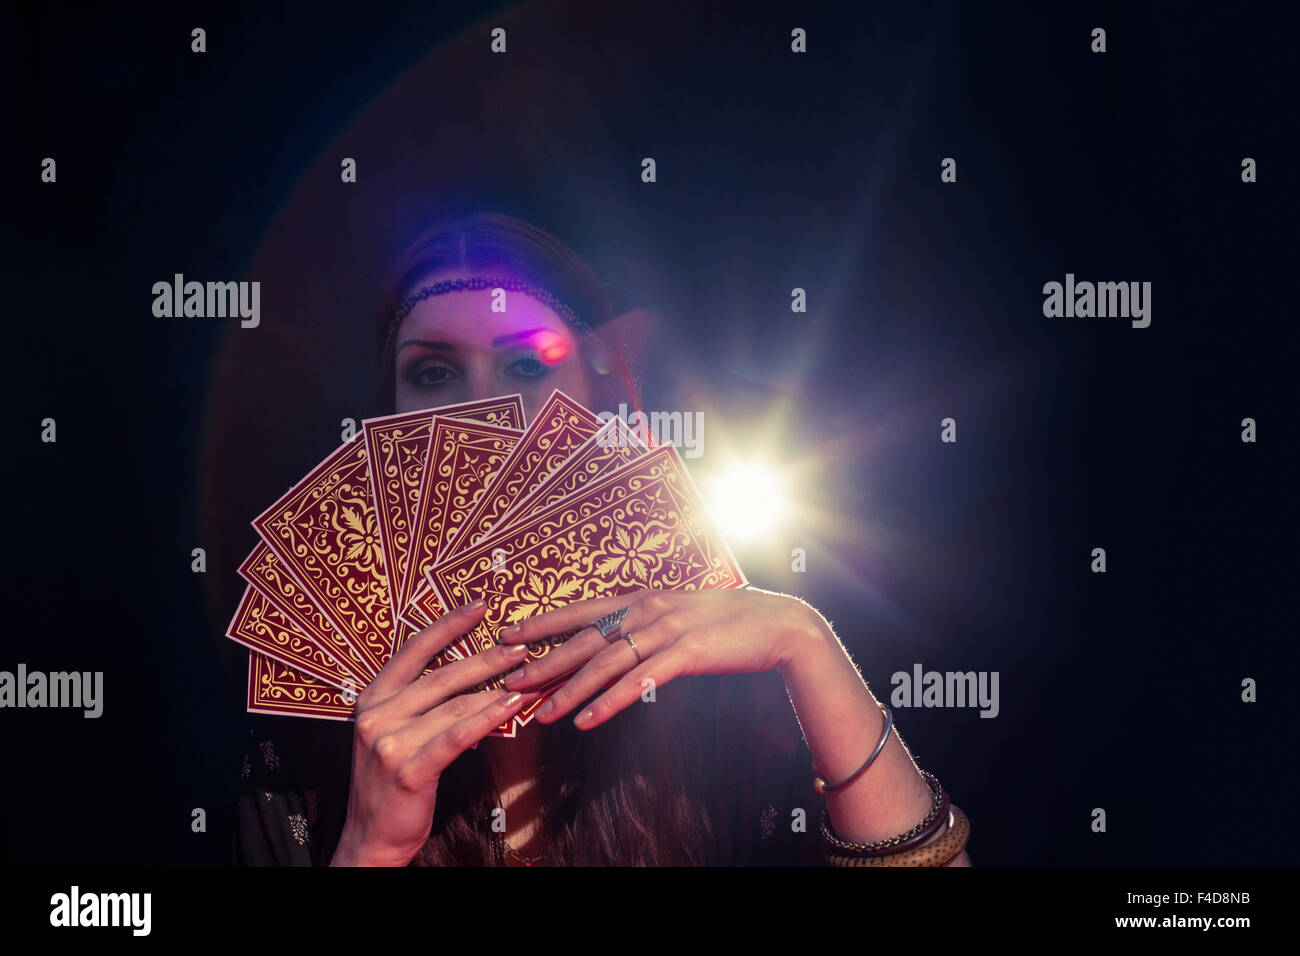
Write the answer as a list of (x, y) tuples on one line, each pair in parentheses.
[(449, 347), (440, 346), (516, 336)]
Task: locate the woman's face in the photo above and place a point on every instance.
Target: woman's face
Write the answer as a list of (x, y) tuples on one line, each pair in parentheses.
[(454, 348)]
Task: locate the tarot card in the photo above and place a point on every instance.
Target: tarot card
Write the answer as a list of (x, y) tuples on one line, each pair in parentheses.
[(259, 626), (462, 458), (276, 688), (411, 615), (644, 525), (613, 446), (264, 572), (398, 447), (560, 426), (325, 534)]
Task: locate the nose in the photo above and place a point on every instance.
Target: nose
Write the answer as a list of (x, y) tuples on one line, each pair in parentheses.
[(481, 382)]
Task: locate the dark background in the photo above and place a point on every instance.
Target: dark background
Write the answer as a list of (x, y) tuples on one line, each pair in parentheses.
[(821, 170)]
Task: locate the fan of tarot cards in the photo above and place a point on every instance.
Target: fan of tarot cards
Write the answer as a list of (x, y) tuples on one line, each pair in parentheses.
[(426, 511)]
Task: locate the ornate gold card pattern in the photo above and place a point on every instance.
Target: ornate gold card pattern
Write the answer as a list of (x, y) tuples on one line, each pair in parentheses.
[(264, 571), (461, 460), (607, 450), (324, 531), (259, 626), (641, 526), (397, 447), (274, 688), (560, 426)]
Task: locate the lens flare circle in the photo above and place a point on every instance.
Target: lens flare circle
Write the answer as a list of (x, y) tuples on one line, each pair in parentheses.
[(748, 499)]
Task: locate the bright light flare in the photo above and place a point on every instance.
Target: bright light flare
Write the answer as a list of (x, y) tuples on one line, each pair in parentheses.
[(551, 346), (747, 499)]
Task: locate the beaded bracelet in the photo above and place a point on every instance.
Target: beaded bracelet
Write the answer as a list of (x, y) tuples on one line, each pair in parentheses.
[(939, 853)]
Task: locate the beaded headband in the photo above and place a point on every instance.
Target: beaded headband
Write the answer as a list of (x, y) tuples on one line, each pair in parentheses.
[(543, 296)]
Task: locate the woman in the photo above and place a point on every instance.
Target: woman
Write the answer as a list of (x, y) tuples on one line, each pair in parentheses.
[(711, 772)]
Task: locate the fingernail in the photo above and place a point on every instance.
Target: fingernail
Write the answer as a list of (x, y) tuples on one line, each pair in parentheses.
[(513, 699), (475, 604), (515, 678), (583, 718), (512, 629), (516, 650), (546, 709)]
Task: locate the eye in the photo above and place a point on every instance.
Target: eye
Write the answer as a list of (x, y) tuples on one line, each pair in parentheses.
[(430, 374), (527, 367)]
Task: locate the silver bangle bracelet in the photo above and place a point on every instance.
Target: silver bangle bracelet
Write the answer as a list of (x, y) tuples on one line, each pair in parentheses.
[(820, 784)]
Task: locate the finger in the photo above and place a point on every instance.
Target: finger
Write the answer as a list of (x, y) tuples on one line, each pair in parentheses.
[(414, 734), (391, 742), (452, 679), (565, 659), (587, 642), (450, 742), (606, 667), (627, 690), (409, 662), (578, 614)]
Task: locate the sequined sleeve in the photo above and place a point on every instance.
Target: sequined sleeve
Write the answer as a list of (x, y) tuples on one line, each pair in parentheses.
[(275, 819)]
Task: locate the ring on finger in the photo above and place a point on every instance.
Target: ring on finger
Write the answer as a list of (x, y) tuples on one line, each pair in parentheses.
[(609, 625), (631, 643)]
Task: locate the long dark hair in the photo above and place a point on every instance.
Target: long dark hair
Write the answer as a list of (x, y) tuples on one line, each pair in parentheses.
[(628, 792)]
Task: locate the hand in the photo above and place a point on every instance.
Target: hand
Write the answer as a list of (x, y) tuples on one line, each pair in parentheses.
[(409, 728), (733, 631)]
